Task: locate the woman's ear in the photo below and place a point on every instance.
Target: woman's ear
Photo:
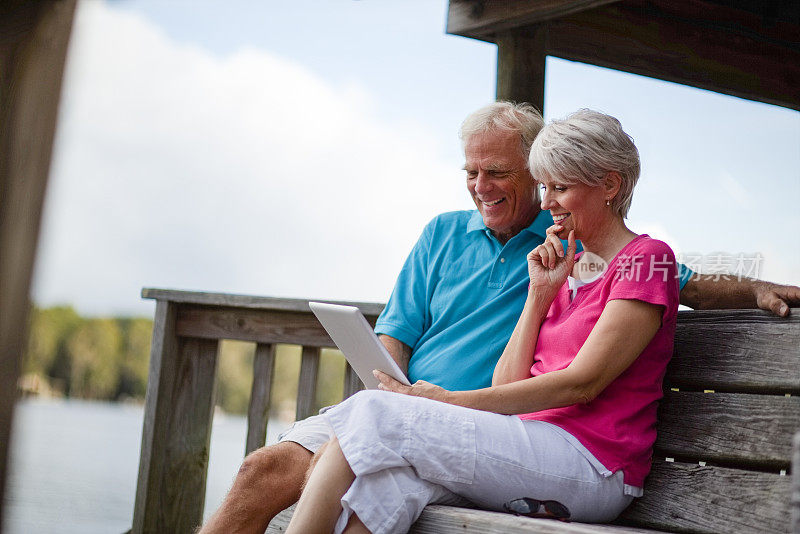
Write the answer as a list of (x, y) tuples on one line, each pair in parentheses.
[(612, 183)]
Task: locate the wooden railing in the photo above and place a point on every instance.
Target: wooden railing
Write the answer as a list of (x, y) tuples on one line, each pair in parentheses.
[(179, 405)]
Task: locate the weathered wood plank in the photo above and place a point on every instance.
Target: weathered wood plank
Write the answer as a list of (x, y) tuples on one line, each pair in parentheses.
[(436, 519), (258, 410), (481, 19), (795, 498), (179, 407), (521, 61), (729, 428), (261, 326), (189, 441), (33, 46), (745, 49), (737, 350), (249, 301), (699, 43), (703, 499), (352, 384), (307, 384)]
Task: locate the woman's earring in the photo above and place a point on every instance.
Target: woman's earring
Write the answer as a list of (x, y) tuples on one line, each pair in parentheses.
[(608, 202)]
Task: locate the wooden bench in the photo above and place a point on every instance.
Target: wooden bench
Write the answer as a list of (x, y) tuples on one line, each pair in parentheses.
[(723, 455)]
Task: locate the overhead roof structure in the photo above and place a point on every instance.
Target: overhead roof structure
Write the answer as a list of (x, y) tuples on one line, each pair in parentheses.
[(745, 48)]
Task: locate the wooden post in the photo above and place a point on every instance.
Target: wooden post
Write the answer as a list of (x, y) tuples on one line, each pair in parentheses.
[(33, 46), (179, 407), (258, 412), (307, 384), (352, 384), (521, 59)]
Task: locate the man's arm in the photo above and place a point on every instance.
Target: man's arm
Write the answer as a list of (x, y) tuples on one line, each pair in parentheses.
[(706, 292), (399, 351)]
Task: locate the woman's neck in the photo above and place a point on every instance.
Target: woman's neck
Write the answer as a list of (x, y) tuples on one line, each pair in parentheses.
[(608, 239)]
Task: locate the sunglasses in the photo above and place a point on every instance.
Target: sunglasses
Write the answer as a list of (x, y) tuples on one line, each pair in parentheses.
[(536, 508)]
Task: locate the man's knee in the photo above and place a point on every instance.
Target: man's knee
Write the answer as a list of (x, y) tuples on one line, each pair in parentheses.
[(285, 461)]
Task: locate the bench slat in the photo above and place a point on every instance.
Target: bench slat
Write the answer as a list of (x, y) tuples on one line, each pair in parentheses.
[(437, 519), (737, 350), (704, 499), (728, 428), (307, 384), (258, 411)]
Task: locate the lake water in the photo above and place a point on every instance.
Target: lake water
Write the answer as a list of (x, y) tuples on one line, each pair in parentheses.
[(74, 464)]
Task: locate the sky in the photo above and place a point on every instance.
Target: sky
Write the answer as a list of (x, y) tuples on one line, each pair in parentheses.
[(297, 149)]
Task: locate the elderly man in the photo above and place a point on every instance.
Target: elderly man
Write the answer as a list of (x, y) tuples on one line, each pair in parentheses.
[(457, 300)]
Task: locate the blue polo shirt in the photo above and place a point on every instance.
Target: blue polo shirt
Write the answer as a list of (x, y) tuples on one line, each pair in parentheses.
[(458, 297)]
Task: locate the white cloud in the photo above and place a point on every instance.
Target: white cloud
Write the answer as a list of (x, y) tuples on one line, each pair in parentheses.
[(244, 173)]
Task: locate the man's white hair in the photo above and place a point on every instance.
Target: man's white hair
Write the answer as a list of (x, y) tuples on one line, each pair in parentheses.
[(520, 118)]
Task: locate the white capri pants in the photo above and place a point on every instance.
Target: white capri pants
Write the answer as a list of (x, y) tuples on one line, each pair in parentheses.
[(407, 452)]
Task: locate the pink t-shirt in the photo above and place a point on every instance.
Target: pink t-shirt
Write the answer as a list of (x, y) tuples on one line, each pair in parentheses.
[(619, 426)]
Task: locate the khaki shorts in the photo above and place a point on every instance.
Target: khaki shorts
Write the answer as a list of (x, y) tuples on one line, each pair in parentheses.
[(311, 432)]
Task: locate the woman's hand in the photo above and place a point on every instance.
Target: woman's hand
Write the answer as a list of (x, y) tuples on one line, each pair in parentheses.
[(420, 388), (549, 266)]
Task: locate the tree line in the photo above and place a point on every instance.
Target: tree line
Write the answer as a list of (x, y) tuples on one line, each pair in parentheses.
[(107, 358)]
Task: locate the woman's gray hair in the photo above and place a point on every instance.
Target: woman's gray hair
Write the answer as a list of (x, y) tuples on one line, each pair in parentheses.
[(585, 147), (521, 118)]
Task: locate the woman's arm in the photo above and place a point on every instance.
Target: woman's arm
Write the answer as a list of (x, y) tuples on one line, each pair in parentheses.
[(622, 332), (548, 269)]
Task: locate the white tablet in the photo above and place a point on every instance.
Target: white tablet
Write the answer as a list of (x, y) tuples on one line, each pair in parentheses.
[(355, 338)]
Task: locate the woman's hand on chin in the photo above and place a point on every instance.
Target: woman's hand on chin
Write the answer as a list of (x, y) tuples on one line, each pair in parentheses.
[(549, 266), (420, 388)]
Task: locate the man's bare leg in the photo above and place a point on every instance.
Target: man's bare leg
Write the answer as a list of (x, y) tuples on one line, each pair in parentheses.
[(268, 482)]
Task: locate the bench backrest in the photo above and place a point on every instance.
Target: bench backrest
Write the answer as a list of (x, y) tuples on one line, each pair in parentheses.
[(731, 408)]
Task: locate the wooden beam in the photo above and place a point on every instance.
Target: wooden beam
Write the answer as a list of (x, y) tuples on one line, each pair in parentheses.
[(521, 58), (260, 326), (482, 19), (33, 45), (702, 45), (750, 52)]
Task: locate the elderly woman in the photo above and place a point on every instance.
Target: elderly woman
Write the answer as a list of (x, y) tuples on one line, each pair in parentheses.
[(571, 412)]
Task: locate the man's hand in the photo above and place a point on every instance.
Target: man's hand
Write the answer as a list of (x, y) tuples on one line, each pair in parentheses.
[(420, 388), (777, 298), (710, 292)]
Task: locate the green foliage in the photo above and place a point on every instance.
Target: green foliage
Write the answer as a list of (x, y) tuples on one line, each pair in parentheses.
[(235, 375), (108, 359)]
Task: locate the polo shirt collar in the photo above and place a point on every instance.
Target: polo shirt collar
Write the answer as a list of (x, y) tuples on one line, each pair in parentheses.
[(539, 226)]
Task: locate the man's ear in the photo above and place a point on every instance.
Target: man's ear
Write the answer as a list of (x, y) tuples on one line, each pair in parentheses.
[(612, 183)]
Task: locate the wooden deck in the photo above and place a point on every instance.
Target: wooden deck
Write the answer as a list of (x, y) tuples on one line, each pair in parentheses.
[(723, 455)]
